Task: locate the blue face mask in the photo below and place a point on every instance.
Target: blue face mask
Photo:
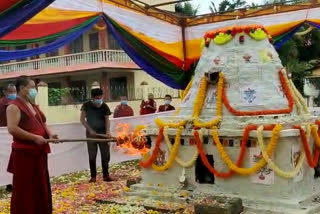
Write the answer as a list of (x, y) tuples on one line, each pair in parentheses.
[(32, 93), (97, 102), (124, 102), (12, 96), (167, 102)]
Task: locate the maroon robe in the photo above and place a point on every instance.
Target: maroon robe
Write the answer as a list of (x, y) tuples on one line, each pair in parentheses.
[(163, 108), (147, 110), (123, 111), (3, 106), (31, 193)]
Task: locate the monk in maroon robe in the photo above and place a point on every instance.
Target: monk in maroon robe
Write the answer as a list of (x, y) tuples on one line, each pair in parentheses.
[(31, 193), (123, 110), (167, 104), (149, 106), (10, 94)]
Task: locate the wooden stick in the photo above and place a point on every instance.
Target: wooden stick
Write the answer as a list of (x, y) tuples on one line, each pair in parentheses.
[(82, 140), (102, 136)]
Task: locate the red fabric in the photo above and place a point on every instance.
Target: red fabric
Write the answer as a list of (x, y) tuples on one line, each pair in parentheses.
[(4, 5), (27, 31), (4, 102), (147, 110), (33, 124), (31, 193), (163, 108), (123, 111)]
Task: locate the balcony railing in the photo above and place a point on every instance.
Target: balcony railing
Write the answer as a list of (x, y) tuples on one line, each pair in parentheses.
[(66, 96), (99, 56)]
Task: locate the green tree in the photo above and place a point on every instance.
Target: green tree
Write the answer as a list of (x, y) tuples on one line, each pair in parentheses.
[(213, 8), (298, 53), (55, 95), (186, 9), (227, 5)]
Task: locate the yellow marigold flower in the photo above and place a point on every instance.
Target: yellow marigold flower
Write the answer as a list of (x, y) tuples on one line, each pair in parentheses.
[(184, 194), (126, 189)]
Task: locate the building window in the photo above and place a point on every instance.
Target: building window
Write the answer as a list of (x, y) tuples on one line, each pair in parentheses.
[(21, 47), (52, 53), (112, 42), (118, 87), (94, 41), (78, 91), (76, 46)]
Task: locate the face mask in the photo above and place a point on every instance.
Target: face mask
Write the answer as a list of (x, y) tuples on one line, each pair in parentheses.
[(32, 93), (167, 102), (97, 102), (12, 96), (124, 102)]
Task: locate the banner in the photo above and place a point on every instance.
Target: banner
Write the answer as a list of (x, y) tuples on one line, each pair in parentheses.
[(71, 157)]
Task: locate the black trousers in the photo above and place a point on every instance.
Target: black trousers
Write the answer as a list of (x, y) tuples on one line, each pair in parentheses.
[(105, 157)]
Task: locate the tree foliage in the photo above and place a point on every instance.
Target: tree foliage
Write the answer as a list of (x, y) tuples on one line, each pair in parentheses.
[(186, 9), (55, 95), (298, 53), (226, 5)]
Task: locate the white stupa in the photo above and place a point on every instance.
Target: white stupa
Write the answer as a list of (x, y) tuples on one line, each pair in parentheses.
[(254, 90)]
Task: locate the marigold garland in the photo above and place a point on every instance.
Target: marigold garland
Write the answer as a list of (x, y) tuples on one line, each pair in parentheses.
[(178, 160), (263, 112), (185, 92), (299, 96), (173, 153), (139, 128), (244, 142), (223, 36), (201, 95), (205, 159), (257, 166), (272, 165), (160, 123), (216, 120), (295, 97), (315, 132), (208, 124), (177, 112), (312, 161), (155, 151)]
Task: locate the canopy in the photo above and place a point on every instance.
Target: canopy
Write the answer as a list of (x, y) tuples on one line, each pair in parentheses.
[(14, 13), (161, 43)]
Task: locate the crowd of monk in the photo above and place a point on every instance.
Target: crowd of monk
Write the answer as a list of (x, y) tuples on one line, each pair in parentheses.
[(31, 191), (146, 107)]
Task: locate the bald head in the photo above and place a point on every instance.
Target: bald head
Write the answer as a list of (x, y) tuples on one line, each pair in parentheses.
[(11, 88)]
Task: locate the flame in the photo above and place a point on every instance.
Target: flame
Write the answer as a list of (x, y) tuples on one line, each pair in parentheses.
[(133, 143)]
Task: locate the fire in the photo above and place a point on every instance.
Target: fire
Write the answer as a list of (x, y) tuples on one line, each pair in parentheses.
[(133, 142)]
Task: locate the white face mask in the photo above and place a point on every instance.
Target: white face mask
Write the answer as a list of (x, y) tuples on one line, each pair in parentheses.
[(167, 102)]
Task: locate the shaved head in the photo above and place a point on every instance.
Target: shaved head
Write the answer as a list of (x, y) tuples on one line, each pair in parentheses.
[(10, 89)]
